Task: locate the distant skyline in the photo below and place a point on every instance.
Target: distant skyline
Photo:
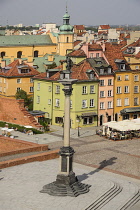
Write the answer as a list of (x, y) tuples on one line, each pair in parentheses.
[(90, 12)]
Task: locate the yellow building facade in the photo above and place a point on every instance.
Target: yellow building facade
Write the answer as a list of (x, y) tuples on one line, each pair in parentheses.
[(126, 95)]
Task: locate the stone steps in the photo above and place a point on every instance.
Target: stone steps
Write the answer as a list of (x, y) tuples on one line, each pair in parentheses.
[(132, 201), (105, 198)]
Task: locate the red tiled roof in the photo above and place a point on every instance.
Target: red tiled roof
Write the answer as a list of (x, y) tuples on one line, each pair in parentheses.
[(102, 32), (119, 29), (80, 27), (77, 72), (77, 53), (94, 46), (13, 111), (105, 26), (137, 55), (127, 36), (14, 70), (113, 52), (134, 44), (77, 42), (123, 43), (81, 33)]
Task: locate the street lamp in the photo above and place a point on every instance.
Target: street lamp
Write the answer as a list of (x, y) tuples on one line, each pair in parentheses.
[(78, 120), (66, 183)]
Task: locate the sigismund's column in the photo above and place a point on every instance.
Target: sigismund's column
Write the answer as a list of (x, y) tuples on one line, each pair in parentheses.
[(66, 183)]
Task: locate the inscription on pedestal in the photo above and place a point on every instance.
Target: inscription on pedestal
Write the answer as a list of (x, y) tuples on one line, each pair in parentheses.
[(64, 164)]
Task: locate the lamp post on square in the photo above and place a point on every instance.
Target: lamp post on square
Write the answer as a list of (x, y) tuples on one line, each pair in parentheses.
[(66, 183)]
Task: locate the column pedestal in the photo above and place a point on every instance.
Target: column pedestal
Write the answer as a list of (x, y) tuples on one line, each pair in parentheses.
[(66, 183)]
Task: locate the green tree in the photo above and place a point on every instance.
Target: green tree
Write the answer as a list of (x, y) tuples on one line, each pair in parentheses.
[(28, 101)]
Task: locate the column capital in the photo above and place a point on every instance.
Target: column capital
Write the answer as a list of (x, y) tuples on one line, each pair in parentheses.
[(67, 92)]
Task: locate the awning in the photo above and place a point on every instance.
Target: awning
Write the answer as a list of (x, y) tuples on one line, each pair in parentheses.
[(89, 114), (130, 110)]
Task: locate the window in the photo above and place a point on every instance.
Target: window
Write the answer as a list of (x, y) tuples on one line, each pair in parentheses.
[(109, 82), (4, 80), (23, 71), (102, 83), (87, 120), (136, 78), (38, 86), (126, 89), (67, 39), (31, 89), (70, 104), (49, 88), (128, 59), (101, 71), (36, 53), (109, 70), (136, 89), (18, 89), (38, 99), (122, 66), (57, 102), (102, 94), (136, 101), (84, 91), (109, 104), (92, 89), (2, 54), (0, 89), (91, 55), (84, 103), (118, 78), (119, 90), (0, 80), (31, 80), (126, 77), (136, 67), (91, 102), (59, 120), (126, 101), (109, 93), (18, 80), (49, 101), (102, 105), (97, 55), (19, 54), (119, 102), (4, 90), (91, 75), (57, 89)]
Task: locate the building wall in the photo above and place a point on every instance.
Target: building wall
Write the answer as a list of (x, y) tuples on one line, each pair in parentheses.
[(56, 112), (106, 112), (64, 44), (8, 86), (27, 51)]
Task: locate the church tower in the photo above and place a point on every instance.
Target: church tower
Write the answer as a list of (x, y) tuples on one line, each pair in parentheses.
[(66, 36)]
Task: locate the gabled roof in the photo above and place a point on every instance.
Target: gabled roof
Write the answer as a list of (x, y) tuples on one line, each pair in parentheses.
[(105, 26), (77, 53), (77, 42), (79, 27), (94, 46), (78, 72), (13, 70), (22, 40), (113, 52), (137, 55), (134, 44)]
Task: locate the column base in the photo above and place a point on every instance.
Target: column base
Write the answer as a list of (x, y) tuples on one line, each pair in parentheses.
[(65, 188)]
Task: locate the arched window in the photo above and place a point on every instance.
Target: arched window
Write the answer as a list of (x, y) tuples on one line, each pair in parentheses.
[(36, 53), (19, 54), (67, 39), (2, 54)]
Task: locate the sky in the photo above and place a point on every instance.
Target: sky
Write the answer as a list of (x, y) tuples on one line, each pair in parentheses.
[(86, 12)]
